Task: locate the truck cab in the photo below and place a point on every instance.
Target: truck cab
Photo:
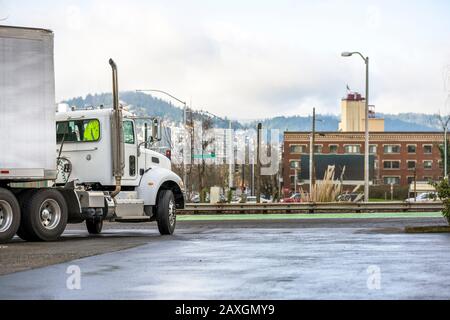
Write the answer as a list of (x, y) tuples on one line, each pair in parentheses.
[(84, 145)]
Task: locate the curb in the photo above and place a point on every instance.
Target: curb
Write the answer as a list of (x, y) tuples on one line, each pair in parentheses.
[(430, 229)]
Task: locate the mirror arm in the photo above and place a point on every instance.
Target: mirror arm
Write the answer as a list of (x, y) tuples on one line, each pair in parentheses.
[(139, 148), (145, 143)]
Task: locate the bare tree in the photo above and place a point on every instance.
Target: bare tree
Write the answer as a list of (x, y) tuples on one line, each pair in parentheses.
[(207, 124)]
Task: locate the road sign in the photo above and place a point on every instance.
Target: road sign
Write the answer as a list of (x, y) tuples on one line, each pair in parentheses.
[(205, 156)]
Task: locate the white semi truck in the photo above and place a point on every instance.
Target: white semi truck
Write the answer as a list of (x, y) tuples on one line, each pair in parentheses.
[(76, 166)]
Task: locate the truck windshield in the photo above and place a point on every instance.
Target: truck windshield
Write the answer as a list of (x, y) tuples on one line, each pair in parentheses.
[(78, 131)]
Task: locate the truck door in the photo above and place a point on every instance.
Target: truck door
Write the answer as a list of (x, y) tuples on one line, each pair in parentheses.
[(130, 141)]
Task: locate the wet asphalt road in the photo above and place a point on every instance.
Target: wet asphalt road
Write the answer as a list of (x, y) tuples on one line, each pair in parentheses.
[(244, 260)]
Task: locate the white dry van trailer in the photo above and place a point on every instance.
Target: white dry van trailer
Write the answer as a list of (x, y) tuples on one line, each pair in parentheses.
[(75, 166)]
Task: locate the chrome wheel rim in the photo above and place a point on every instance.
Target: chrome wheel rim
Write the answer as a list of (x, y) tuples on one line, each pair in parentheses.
[(6, 216), (172, 213), (50, 214)]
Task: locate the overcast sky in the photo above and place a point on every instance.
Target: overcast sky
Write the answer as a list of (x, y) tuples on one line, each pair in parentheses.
[(250, 58)]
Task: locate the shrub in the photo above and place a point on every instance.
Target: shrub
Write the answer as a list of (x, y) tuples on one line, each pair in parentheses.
[(230, 196), (443, 192), (382, 191), (203, 195), (327, 190)]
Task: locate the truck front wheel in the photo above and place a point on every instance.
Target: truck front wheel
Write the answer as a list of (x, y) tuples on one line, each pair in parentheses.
[(94, 226), (44, 216), (9, 215), (166, 213)]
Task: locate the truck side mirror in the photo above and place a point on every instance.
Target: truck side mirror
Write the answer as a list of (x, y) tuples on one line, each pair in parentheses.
[(155, 134)]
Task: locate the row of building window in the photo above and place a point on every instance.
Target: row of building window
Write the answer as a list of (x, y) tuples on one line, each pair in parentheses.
[(356, 148), (410, 179), (386, 180), (389, 165), (412, 164)]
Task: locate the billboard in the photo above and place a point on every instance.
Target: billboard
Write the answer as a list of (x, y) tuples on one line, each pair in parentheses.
[(353, 164)]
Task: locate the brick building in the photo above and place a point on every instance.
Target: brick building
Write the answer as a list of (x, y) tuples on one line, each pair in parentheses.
[(399, 157), (397, 154)]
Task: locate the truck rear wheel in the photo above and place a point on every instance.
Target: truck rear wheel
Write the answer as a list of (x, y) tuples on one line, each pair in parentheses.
[(9, 215), (22, 197), (44, 216), (94, 226), (166, 213)]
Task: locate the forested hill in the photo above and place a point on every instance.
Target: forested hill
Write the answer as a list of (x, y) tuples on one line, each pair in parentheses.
[(140, 101), (145, 104)]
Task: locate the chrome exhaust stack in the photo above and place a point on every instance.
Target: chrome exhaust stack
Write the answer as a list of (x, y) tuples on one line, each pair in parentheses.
[(117, 136)]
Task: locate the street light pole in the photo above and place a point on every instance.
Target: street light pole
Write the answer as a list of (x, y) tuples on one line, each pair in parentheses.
[(258, 163), (367, 145), (185, 125), (165, 93)]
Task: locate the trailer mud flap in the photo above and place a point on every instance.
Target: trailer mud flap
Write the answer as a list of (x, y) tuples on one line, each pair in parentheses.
[(73, 204)]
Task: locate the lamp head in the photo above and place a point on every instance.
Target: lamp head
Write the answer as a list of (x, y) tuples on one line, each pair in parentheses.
[(346, 54)]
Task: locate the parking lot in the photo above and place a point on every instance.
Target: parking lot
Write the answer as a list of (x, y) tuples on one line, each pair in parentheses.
[(247, 258)]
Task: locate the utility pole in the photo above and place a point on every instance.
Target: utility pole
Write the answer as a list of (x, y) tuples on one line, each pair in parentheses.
[(295, 180), (243, 178), (258, 164), (392, 192), (415, 184), (445, 152), (192, 148), (253, 188), (280, 180), (312, 173), (243, 167), (230, 157)]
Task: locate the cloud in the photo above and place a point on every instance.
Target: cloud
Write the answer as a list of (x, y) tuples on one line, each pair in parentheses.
[(73, 18), (251, 59)]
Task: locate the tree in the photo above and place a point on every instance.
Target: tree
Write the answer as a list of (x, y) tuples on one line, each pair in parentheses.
[(443, 191), (444, 121), (207, 124), (442, 150)]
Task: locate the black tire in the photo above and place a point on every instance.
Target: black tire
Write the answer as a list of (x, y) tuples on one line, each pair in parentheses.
[(94, 226), (23, 197), (9, 215), (44, 215), (166, 213)]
